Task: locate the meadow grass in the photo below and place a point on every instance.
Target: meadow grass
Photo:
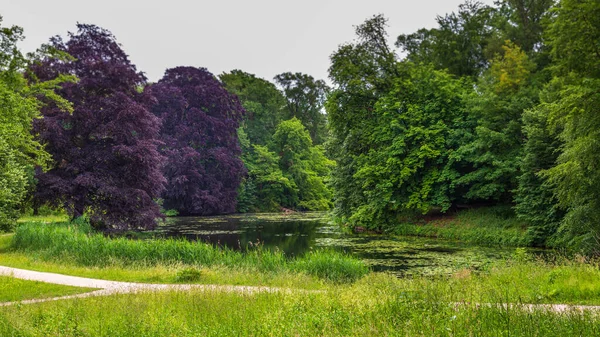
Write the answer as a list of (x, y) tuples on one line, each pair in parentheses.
[(81, 246), (376, 305), (495, 226), (12, 289)]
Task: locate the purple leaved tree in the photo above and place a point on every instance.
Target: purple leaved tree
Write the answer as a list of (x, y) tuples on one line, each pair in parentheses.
[(107, 163), (199, 131)]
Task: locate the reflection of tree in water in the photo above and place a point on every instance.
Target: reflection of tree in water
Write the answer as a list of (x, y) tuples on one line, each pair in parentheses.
[(292, 237)]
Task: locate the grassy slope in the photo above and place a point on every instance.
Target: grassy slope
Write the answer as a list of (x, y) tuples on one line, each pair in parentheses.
[(12, 289), (486, 226), (377, 305)]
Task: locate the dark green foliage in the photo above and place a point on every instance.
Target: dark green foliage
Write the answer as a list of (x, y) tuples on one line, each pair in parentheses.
[(535, 201), (459, 43), (265, 105), (494, 149), (407, 166), (305, 98)]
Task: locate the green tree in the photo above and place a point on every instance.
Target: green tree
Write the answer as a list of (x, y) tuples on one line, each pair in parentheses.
[(265, 188), (362, 73), (407, 166), (305, 99), (571, 109), (459, 44), (19, 107), (304, 165), (265, 105), (494, 150)]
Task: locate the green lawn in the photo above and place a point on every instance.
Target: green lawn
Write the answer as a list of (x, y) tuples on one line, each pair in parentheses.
[(377, 305), (12, 289)]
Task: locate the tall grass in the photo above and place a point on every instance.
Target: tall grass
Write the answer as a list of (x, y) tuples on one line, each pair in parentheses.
[(12, 289), (79, 244), (377, 305)]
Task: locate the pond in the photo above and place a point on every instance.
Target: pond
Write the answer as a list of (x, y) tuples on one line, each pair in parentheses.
[(297, 233)]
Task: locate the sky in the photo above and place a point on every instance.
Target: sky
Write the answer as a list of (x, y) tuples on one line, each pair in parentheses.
[(262, 37)]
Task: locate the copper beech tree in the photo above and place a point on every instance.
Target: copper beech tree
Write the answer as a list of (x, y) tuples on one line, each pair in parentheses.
[(199, 134), (106, 159)]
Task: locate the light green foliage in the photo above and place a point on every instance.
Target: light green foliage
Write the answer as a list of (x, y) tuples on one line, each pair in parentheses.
[(304, 165), (494, 150), (264, 103), (19, 106)]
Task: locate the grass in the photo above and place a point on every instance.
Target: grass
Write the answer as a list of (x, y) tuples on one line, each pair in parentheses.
[(484, 226), (78, 246), (376, 305), (12, 289)]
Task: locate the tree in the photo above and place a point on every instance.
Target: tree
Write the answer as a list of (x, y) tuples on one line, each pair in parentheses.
[(264, 104), (106, 162), (407, 166), (362, 73), (394, 125), (494, 150), (265, 188), (19, 106), (304, 165), (459, 44), (305, 98), (199, 123)]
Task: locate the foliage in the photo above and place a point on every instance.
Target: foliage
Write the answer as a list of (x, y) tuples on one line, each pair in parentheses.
[(571, 107), (265, 188), (106, 162), (459, 44), (263, 102), (199, 122), (19, 106), (494, 150), (362, 72), (391, 139), (304, 165), (305, 98)]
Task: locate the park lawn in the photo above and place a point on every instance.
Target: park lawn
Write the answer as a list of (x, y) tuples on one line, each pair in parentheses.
[(12, 289), (376, 305)]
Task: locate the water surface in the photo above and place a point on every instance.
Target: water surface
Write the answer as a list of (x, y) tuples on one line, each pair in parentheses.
[(297, 233)]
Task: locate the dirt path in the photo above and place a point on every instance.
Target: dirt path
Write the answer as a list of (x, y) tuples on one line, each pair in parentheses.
[(116, 287)]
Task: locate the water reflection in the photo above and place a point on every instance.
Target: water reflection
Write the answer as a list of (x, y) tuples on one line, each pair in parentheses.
[(297, 233)]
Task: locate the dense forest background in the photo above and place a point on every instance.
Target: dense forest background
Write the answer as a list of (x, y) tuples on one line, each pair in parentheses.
[(497, 105)]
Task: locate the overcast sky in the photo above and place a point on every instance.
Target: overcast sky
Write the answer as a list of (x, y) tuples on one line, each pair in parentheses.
[(263, 37)]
